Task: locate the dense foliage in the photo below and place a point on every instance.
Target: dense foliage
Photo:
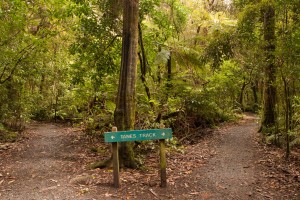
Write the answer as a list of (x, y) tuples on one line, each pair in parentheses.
[(200, 63)]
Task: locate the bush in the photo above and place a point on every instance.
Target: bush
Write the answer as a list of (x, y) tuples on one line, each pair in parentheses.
[(7, 135)]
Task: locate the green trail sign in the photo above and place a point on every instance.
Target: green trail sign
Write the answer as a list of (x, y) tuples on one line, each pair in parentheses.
[(124, 136), (138, 135)]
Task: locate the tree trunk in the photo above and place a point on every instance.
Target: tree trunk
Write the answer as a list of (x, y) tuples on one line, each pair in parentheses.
[(125, 104), (241, 99), (144, 65), (168, 87), (269, 112), (254, 86), (169, 75), (287, 115)]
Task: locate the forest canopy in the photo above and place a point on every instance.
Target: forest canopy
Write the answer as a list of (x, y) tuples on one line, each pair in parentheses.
[(199, 63)]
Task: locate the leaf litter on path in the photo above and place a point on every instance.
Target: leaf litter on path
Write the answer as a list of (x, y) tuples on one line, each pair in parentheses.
[(218, 166)]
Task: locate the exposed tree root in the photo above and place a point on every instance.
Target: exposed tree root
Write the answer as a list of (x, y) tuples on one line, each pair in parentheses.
[(101, 165)]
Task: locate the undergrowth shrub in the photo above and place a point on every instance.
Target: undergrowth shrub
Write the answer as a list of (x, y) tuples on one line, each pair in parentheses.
[(7, 135), (295, 133)]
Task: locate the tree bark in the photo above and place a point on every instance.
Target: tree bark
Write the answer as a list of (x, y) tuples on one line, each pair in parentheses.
[(287, 115), (269, 111), (254, 87), (168, 87), (144, 65), (241, 98), (169, 75), (125, 103)]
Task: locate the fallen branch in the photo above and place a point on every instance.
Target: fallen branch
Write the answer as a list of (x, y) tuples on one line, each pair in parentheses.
[(154, 193)]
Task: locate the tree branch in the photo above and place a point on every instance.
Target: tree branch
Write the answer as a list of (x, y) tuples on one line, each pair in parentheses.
[(5, 42), (21, 56)]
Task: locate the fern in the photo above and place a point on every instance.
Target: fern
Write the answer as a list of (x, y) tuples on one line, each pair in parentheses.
[(295, 142), (295, 135), (162, 57)]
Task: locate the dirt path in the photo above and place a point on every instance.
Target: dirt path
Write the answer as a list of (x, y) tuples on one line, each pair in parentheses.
[(230, 174), (39, 168), (226, 164)]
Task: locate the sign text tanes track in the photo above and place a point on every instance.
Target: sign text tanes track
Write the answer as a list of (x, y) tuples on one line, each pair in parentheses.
[(138, 135)]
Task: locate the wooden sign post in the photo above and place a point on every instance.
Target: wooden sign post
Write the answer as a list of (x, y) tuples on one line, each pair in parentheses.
[(163, 164), (116, 167), (139, 135)]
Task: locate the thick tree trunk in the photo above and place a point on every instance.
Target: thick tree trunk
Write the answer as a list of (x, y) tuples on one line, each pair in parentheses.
[(125, 103), (269, 112)]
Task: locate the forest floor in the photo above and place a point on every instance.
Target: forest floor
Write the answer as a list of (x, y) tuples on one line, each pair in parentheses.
[(51, 162)]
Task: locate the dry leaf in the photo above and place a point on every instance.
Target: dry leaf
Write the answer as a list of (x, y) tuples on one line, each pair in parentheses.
[(107, 194), (194, 193)]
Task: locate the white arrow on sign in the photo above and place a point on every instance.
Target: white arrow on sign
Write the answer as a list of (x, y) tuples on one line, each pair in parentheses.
[(112, 137), (163, 134)]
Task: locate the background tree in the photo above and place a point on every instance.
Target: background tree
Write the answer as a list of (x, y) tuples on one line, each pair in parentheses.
[(269, 112), (30, 56), (277, 21)]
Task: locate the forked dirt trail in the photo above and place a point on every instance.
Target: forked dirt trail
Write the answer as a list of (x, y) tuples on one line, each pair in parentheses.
[(51, 163)]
